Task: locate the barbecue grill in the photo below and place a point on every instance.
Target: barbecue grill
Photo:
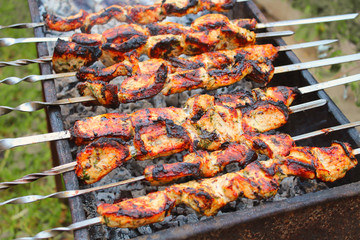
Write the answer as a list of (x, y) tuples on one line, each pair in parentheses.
[(322, 214)]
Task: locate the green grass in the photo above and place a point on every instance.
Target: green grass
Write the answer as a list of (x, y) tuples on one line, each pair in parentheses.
[(28, 219)]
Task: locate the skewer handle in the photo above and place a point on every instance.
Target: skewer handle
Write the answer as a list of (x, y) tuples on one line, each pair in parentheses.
[(55, 231), (22, 62), (36, 105), (35, 78), (35, 176), (69, 193), (24, 25), (308, 21), (8, 143), (4, 42)]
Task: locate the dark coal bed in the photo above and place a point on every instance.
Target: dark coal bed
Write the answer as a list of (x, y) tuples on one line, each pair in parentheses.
[(181, 215)]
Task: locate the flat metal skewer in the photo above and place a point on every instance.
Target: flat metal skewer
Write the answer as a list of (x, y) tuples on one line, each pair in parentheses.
[(70, 166), (5, 42), (307, 21), (34, 106), (74, 193), (22, 62)]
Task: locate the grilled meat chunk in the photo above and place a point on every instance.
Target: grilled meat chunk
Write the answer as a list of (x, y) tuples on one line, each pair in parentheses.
[(105, 125), (68, 56), (100, 158)]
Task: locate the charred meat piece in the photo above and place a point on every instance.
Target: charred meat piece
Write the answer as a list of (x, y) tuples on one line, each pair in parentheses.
[(69, 56)]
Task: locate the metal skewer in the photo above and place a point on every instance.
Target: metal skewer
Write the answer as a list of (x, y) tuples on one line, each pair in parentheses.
[(54, 231), (74, 193), (5, 42), (308, 21), (34, 106), (4, 144), (22, 62)]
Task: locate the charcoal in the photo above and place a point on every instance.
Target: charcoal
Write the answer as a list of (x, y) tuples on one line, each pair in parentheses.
[(144, 230), (181, 219), (192, 218)]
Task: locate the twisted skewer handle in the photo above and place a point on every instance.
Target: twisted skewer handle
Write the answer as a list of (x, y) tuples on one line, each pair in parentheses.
[(67, 194), (22, 62), (35, 176), (34, 78), (36, 105), (24, 25), (54, 231), (4, 42)]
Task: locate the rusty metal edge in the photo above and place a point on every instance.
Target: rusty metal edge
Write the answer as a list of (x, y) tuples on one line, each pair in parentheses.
[(62, 148)]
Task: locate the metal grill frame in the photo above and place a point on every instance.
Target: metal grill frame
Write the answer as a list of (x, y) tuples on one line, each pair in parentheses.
[(322, 215)]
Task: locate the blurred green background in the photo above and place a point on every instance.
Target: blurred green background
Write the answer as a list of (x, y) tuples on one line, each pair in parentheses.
[(27, 220)]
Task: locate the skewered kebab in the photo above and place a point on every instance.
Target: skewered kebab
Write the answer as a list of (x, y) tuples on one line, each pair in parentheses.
[(246, 24), (208, 33), (139, 14), (105, 129), (258, 180), (11, 143), (113, 100), (207, 122), (124, 68), (202, 163)]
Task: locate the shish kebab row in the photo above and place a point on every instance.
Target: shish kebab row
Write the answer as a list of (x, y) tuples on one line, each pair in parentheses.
[(207, 122), (159, 40), (131, 30), (258, 180), (203, 163), (128, 42), (208, 71), (140, 14)]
